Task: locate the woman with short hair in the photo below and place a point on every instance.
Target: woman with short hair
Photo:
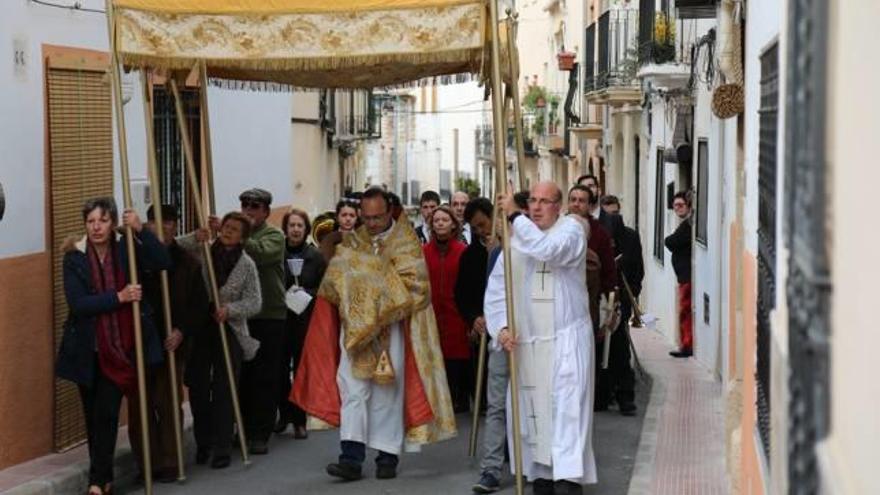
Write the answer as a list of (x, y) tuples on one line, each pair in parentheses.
[(97, 350), (303, 256), (239, 287)]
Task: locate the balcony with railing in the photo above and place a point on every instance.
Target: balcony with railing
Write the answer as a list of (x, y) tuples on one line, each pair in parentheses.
[(663, 56), (615, 81)]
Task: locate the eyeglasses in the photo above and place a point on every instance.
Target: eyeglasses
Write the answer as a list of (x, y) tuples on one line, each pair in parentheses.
[(542, 201), (251, 205)]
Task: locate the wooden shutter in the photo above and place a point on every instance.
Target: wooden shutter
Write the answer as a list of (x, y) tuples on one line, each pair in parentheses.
[(80, 151)]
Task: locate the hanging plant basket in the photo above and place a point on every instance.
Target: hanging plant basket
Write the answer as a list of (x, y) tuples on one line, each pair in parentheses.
[(565, 60), (728, 101)]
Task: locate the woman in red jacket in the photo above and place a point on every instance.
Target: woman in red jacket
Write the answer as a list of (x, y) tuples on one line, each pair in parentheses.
[(442, 254)]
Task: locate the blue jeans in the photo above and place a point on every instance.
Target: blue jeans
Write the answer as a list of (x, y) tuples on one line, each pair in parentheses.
[(355, 453)]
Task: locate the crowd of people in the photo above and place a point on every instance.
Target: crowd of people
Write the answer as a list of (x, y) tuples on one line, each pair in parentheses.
[(361, 321)]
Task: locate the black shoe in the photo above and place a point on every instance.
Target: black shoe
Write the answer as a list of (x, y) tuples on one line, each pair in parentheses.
[(281, 425), (348, 472), (386, 471), (220, 461), (202, 455), (627, 409), (600, 406), (258, 447), (488, 484), (684, 353), (564, 487), (542, 487), (165, 475)]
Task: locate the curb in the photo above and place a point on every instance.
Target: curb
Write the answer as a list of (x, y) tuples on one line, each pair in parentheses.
[(73, 479), (643, 472)]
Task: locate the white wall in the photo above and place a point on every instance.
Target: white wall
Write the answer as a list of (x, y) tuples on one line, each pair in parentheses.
[(22, 112), (251, 136), (251, 131), (315, 173)]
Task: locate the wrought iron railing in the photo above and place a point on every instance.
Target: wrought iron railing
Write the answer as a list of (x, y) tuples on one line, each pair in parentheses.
[(657, 34), (618, 48), (590, 58)]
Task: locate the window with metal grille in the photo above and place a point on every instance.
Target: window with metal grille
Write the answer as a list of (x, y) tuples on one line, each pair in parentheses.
[(702, 208), (174, 187), (659, 208), (766, 233)]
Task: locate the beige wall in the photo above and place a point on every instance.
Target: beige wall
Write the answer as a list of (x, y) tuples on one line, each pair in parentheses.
[(850, 454)]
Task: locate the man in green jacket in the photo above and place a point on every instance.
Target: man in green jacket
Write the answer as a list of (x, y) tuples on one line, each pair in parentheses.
[(258, 385)]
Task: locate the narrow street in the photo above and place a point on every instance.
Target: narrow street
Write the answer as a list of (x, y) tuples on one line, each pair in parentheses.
[(297, 467)]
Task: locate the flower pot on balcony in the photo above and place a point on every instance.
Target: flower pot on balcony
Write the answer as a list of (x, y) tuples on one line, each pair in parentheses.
[(662, 53), (565, 60)]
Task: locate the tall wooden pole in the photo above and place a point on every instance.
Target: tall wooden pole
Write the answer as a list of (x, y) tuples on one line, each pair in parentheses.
[(156, 199), (116, 89), (209, 264), (500, 129), (517, 109), (455, 160), (208, 156)]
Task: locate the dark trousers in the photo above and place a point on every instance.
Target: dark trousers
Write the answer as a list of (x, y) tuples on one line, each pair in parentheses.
[(209, 392), (101, 402), (618, 381), (259, 380), (459, 377), (475, 364), (160, 410), (294, 337), (354, 453)]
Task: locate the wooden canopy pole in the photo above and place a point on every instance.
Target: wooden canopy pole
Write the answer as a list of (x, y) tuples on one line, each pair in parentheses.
[(156, 200), (206, 142), (116, 90), (517, 109), (209, 264), (500, 129)]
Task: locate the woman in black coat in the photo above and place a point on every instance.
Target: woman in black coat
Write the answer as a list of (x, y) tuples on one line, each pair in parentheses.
[(296, 227), (97, 348)]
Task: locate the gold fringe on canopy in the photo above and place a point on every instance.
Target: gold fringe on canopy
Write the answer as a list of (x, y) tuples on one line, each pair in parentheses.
[(371, 48), (269, 7)]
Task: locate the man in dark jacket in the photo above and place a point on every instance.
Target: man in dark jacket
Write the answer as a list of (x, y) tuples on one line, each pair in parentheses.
[(189, 307), (617, 382), (679, 243)]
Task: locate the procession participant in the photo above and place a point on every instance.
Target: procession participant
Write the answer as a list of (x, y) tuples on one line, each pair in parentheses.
[(347, 219), (296, 226), (553, 341), (189, 315), (442, 255), (97, 348), (459, 204), (240, 298), (428, 202), (371, 361)]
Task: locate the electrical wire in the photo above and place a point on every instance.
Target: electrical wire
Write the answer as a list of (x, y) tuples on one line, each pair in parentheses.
[(76, 6)]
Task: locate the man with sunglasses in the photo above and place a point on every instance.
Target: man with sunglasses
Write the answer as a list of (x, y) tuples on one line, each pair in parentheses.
[(258, 388), (679, 243)]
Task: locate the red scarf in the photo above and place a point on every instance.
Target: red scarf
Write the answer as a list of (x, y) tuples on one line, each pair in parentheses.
[(115, 329)]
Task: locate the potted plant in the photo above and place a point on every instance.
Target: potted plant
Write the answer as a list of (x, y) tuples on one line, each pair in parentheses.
[(565, 60), (663, 45)]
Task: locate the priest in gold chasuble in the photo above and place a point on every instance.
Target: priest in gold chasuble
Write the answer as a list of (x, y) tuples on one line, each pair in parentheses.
[(372, 363), (553, 343)]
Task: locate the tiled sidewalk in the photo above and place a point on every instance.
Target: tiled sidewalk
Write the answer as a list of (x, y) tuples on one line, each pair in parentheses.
[(67, 473), (681, 451)]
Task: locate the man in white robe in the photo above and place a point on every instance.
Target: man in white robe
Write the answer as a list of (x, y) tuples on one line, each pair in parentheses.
[(553, 343)]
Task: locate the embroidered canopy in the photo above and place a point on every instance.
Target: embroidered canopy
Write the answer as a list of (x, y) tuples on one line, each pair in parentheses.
[(308, 43)]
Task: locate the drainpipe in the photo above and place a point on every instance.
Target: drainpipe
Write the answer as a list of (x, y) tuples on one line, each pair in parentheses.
[(726, 25)]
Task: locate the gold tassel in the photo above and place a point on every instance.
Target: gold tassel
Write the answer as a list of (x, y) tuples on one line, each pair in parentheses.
[(384, 374)]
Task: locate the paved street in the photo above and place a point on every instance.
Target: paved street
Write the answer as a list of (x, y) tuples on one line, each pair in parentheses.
[(297, 467)]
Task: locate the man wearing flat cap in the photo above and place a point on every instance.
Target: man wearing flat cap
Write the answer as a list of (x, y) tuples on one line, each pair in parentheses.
[(258, 386)]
